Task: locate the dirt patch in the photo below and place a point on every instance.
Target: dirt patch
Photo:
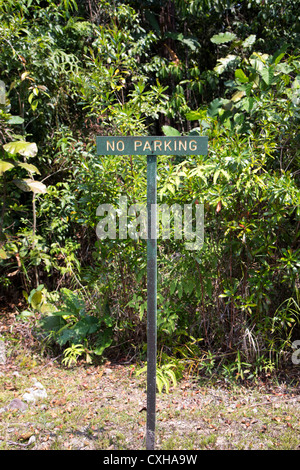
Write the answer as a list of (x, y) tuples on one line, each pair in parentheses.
[(105, 408)]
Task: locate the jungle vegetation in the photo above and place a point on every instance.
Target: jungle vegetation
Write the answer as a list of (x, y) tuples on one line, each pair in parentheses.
[(71, 70)]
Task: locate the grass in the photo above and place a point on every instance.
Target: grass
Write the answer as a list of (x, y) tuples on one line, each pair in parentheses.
[(104, 408), (89, 409)]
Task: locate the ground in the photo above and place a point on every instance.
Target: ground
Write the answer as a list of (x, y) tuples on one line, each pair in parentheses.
[(104, 407)]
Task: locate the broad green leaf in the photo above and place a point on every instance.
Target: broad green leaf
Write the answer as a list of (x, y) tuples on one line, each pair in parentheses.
[(34, 104), (36, 299), (224, 62), (52, 323), (66, 335), (31, 185), (5, 166), (249, 41), (248, 88), (248, 104), (15, 120), (214, 107), (26, 314), (65, 314), (258, 60), (170, 131), (284, 68), (103, 342), (37, 187), (22, 184), (241, 76), (27, 149), (237, 96), (194, 115), (192, 43), (3, 254), (73, 302), (222, 38), (29, 167), (267, 74), (47, 308)]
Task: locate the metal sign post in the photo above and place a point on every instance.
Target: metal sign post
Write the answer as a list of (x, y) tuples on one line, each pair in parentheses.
[(151, 300), (151, 146)]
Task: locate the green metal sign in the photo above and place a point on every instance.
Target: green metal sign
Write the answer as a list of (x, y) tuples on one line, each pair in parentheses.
[(151, 146), (154, 145)]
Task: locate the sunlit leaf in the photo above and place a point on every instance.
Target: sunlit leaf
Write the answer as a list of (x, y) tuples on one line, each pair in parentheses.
[(3, 254), (21, 184), (193, 115), (224, 62), (5, 166), (15, 120), (237, 96), (249, 41), (170, 131), (222, 38), (29, 167), (37, 187), (267, 74), (36, 299), (241, 76), (27, 149), (31, 185)]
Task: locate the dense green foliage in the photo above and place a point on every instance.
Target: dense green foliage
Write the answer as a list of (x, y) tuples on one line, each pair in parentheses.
[(226, 69)]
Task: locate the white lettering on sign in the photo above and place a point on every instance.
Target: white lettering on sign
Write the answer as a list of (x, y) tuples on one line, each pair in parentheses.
[(157, 145), (193, 145), (137, 144), (111, 145), (150, 145), (167, 145), (147, 146), (120, 146)]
